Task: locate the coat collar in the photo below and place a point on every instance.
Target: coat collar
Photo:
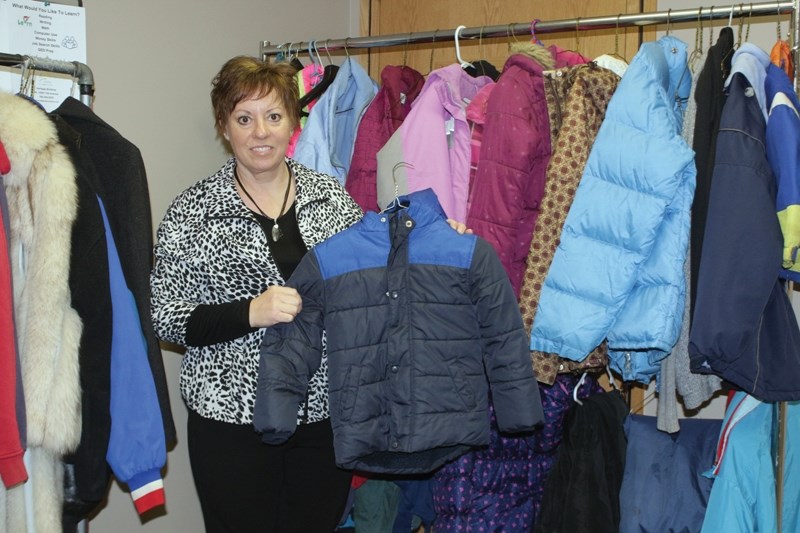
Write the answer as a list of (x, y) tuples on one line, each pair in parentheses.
[(422, 207), (73, 108)]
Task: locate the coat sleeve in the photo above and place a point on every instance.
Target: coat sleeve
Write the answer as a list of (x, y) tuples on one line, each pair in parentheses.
[(136, 447), (515, 393), (290, 354)]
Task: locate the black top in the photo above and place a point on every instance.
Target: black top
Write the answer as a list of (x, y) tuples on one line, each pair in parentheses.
[(213, 323), (710, 97)]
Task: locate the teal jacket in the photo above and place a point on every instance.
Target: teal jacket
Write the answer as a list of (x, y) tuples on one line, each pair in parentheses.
[(743, 496)]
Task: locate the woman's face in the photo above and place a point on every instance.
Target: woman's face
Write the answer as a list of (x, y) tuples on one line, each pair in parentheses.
[(259, 131)]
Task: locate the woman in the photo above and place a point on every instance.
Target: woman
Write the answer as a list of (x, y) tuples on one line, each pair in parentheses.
[(224, 250)]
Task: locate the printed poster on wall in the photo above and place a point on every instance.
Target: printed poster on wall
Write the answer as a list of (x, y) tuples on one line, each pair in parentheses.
[(44, 30)]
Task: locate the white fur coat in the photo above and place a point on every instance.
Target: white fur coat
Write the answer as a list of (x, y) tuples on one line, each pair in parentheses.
[(42, 197)]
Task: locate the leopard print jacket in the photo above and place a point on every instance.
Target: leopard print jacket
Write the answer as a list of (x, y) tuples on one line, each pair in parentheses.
[(210, 249)]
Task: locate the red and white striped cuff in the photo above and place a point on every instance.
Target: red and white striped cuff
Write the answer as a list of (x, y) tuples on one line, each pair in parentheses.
[(149, 496)]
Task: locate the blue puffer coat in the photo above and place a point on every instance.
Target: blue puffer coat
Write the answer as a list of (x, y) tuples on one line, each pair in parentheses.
[(420, 322), (618, 271)]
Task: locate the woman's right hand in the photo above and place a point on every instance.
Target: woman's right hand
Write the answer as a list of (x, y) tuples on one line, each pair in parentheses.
[(274, 305)]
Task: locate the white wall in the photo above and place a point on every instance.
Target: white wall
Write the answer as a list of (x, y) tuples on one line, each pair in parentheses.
[(153, 62)]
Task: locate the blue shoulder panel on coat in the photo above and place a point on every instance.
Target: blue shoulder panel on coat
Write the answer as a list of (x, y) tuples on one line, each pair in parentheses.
[(451, 249), (364, 245)]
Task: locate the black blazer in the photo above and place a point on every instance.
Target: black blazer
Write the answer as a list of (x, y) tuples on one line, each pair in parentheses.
[(122, 185)]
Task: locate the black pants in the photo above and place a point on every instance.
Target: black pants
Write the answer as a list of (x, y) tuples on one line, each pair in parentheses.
[(247, 486)]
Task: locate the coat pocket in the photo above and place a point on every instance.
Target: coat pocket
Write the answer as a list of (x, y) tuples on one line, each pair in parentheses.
[(462, 386), (348, 394)]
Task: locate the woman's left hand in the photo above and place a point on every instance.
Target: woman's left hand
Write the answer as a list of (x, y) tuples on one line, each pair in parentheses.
[(460, 227)]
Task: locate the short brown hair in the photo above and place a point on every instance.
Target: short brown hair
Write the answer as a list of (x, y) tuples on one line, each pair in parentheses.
[(245, 77)]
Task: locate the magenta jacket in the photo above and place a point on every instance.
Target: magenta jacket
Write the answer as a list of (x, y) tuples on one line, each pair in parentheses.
[(399, 88), (515, 150)]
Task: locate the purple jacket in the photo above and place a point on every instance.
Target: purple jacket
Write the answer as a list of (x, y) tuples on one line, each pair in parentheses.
[(514, 154), (435, 140), (400, 86)]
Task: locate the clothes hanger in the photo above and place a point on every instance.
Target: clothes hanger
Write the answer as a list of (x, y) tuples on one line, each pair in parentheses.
[(509, 35), (464, 64), (329, 73), (711, 27), (397, 203), (405, 50), (27, 81), (482, 67), (578, 387), (611, 380), (741, 26), (293, 59), (433, 41), (616, 41), (669, 22), (698, 42), (534, 38), (615, 54)]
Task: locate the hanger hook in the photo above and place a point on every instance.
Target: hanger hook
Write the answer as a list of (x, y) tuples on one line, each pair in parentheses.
[(730, 16), (510, 35), (577, 35), (534, 38), (394, 176), (480, 43), (749, 18), (711, 26), (699, 35), (328, 51), (433, 41), (310, 53), (26, 62), (464, 64), (578, 388), (405, 49), (741, 26), (316, 50), (778, 10), (28, 81), (616, 36), (346, 51), (669, 20)]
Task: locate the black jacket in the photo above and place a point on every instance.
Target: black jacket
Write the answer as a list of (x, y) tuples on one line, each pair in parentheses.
[(123, 189), (710, 98), (86, 471)]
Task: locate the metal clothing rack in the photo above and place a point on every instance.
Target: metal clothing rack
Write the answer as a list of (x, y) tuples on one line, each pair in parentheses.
[(505, 30), (609, 21), (80, 71)]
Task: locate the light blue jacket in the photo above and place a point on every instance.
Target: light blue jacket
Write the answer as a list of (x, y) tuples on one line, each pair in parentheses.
[(743, 496), (326, 143), (618, 271)]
